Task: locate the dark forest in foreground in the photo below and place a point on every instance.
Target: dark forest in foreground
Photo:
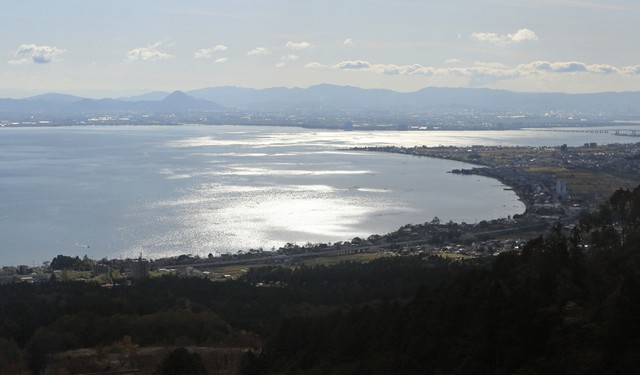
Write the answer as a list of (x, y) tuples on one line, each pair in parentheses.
[(567, 303)]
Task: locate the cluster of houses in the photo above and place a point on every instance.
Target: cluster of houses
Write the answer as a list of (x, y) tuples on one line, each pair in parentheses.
[(20, 273), (131, 269)]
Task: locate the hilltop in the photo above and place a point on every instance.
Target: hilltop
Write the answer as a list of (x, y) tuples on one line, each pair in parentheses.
[(61, 104)]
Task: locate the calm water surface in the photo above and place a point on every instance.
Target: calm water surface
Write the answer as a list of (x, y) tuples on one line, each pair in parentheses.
[(161, 191)]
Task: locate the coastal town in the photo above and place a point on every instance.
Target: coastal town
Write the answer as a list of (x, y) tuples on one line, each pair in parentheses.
[(559, 176), (556, 184)]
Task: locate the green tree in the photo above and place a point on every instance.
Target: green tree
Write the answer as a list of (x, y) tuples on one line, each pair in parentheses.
[(11, 358), (622, 211), (181, 362), (63, 262)]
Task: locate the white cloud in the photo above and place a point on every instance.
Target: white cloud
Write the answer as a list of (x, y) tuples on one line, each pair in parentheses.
[(258, 51), (603, 69), (488, 38), (496, 72), (631, 69), (298, 45), (452, 61), (482, 74), (280, 65), (290, 57), (348, 42), (207, 53), (353, 65), (391, 69), (566, 67), (221, 60), (36, 54), (18, 61), (316, 65), (415, 69), (150, 53), (521, 35)]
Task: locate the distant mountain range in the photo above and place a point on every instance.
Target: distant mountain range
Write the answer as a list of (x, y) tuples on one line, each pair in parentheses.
[(326, 97), (330, 97), (175, 102)]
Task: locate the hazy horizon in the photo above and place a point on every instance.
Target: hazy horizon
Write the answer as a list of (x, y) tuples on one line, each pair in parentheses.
[(124, 94)]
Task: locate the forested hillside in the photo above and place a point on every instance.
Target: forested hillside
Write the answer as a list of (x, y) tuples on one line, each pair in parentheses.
[(568, 303)]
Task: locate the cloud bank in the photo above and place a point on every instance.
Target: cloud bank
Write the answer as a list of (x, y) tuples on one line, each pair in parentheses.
[(482, 73), (36, 54)]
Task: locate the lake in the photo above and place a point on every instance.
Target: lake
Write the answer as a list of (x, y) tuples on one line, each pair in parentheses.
[(168, 190)]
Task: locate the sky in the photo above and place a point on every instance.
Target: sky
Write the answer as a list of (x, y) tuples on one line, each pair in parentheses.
[(101, 48)]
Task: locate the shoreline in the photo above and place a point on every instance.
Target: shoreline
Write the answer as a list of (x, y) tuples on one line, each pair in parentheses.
[(507, 175)]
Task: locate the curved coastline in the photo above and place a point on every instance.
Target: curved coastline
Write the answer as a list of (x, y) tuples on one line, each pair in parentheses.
[(477, 170), (556, 182)]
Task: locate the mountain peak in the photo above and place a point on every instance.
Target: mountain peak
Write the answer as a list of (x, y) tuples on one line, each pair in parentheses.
[(178, 95), (180, 101)]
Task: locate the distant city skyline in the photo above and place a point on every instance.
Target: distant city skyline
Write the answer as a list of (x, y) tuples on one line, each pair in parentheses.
[(118, 48)]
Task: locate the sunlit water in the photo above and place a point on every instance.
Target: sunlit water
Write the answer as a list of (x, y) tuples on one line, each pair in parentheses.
[(162, 191)]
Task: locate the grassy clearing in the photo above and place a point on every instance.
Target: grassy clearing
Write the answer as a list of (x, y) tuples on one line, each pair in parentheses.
[(546, 169), (361, 257), (231, 271), (586, 185)]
